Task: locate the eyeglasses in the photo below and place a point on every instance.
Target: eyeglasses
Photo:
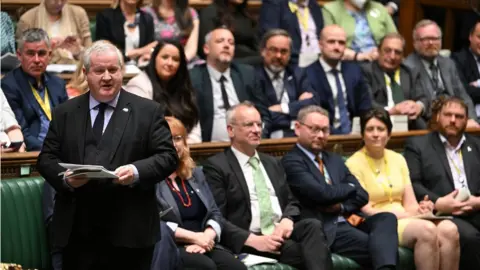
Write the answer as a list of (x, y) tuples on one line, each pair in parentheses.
[(427, 39), (275, 50), (316, 130), (177, 138)]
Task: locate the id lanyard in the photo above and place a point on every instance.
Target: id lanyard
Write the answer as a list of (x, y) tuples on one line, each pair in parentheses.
[(457, 166), (386, 184), (44, 103)]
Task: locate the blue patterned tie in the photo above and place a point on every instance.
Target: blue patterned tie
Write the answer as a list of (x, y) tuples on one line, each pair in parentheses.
[(345, 123)]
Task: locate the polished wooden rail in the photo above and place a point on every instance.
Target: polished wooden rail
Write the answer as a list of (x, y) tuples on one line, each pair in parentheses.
[(23, 164)]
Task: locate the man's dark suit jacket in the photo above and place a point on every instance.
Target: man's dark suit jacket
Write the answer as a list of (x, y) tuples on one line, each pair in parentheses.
[(358, 98), (468, 71), (409, 82), (277, 14), (16, 87), (200, 186), (243, 78), (308, 185), (295, 84), (429, 169), (109, 26), (230, 190), (131, 212), (450, 76)]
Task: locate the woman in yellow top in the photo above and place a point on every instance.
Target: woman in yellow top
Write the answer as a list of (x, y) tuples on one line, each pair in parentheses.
[(384, 175)]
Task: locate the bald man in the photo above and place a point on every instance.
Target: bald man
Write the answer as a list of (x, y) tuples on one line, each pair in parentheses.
[(221, 84), (340, 85)]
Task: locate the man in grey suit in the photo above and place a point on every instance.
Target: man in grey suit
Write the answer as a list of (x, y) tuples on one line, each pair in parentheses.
[(393, 85), (438, 74)]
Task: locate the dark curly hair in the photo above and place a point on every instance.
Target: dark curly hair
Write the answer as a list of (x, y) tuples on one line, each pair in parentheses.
[(177, 96), (437, 106), (378, 113)]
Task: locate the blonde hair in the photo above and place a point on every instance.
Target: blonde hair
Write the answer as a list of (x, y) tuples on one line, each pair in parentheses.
[(186, 163), (79, 80)]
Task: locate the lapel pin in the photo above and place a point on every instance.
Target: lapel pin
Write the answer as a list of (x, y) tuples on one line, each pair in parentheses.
[(289, 78), (125, 109), (469, 149)]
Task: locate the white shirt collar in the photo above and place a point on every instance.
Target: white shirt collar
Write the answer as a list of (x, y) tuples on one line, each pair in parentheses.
[(217, 74), (327, 68), (271, 75), (112, 103), (241, 157), (447, 144)]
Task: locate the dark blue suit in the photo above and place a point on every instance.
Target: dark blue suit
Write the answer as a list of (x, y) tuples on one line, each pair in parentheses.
[(373, 242), (358, 97), (295, 84), (19, 94), (277, 14)]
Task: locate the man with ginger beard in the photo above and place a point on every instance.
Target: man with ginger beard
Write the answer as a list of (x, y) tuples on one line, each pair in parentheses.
[(394, 86), (438, 74), (261, 215), (286, 88), (445, 164), (220, 84)]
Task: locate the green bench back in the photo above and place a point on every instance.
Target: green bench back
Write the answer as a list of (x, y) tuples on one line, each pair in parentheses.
[(23, 236)]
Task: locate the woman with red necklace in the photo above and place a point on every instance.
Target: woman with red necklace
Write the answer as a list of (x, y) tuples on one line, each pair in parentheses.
[(195, 218)]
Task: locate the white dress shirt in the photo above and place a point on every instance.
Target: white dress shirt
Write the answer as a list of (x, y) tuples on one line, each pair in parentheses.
[(455, 162), (333, 85), (388, 83), (255, 208), (219, 129)]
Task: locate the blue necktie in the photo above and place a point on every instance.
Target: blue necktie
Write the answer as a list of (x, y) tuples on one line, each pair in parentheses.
[(345, 123)]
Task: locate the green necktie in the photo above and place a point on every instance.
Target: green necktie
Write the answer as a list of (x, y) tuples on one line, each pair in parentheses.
[(266, 211), (397, 92)]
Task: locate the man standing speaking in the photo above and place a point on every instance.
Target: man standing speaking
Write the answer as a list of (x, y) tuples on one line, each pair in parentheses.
[(102, 223)]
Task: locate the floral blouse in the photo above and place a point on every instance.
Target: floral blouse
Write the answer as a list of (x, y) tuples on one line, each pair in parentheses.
[(168, 28)]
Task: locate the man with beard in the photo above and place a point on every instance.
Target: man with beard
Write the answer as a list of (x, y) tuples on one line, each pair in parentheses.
[(261, 215), (445, 164), (329, 192), (438, 74), (31, 92), (394, 86), (220, 84), (287, 89), (339, 84)]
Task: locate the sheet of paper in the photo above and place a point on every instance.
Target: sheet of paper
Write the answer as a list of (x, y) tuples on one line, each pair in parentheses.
[(250, 259), (132, 69), (89, 171), (61, 68), (431, 216)]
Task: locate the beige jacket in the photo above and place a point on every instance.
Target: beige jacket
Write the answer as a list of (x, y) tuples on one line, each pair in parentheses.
[(140, 85), (74, 21)]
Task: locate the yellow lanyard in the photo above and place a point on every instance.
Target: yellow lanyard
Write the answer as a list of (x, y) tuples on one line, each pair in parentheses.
[(396, 77), (44, 103), (386, 185), (457, 168), (302, 19)]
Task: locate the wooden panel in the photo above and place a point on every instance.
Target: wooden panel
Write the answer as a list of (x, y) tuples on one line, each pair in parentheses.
[(23, 164)]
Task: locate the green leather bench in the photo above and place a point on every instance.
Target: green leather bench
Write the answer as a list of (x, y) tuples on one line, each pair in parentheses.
[(23, 236)]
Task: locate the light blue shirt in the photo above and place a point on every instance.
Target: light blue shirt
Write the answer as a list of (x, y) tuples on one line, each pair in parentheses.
[(363, 40), (326, 175)]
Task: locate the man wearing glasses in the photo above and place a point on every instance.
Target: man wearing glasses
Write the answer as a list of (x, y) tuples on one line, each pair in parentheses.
[(394, 86), (287, 89), (329, 192), (31, 92), (261, 215), (438, 74)]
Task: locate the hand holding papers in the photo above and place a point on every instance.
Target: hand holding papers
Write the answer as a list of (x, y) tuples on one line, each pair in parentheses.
[(87, 171)]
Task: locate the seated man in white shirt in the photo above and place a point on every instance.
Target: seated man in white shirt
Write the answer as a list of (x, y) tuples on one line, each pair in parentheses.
[(9, 129)]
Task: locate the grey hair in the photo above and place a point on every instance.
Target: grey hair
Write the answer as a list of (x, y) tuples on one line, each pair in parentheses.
[(273, 33), (33, 35), (423, 23), (305, 111), (208, 36), (230, 115), (98, 47)]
